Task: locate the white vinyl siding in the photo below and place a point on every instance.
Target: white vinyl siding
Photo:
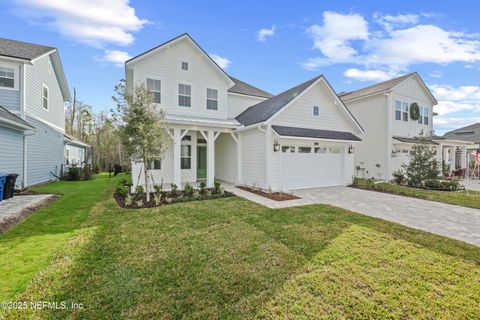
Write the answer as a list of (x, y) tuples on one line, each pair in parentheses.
[(155, 86), (225, 158), (253, 157), (184, 95), (237, 103)]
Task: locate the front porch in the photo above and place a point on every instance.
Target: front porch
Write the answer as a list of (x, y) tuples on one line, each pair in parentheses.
[(455, 158), (194, 154)]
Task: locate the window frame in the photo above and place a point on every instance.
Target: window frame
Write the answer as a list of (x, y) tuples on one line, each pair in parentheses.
[(151, 164), (405, 108), (185, 95), (47, 97), (288, 149), (154, 91), (214, 100), (184, 63), (398, 110), (316, 111), (303, 149), (13, 78), (426, 116), (188, 156), (420, 119)]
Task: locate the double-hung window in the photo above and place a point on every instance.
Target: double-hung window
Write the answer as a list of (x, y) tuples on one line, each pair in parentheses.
[(186, 156), (155, 165), (212, 99), (398, 110), (155, 87), (420, 119), (45, 95), (184, 95), (426, 113), (405, 111), (7, 78)]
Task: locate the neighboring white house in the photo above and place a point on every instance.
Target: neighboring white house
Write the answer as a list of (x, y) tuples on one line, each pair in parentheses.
[(222, 128), (75, 151), (383, 110), (33, 88)]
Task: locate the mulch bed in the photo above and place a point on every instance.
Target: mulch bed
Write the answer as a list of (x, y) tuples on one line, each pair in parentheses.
[(277, 196), (168, 198), (9, 222)]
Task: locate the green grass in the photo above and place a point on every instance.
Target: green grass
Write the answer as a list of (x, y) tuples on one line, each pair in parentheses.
[(465, 198), (29, 247), (233, 259)]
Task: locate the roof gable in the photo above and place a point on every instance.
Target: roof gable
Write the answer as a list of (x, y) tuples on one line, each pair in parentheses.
[(182, 37), (22, 50), (469, 133)]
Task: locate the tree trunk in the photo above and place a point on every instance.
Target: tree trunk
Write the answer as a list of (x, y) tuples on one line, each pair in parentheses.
[(145, 172)]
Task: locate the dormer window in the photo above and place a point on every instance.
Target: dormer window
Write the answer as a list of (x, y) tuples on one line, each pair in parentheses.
[(7, 78), (184, 65)]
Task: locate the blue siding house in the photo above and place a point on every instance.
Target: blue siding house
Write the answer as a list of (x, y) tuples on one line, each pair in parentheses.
[(33, 89)]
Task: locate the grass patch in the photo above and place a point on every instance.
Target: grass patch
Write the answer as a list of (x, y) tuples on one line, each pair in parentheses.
[(233, 259), (465, 198)]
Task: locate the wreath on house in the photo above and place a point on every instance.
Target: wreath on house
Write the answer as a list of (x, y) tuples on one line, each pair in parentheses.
[(414, 111)]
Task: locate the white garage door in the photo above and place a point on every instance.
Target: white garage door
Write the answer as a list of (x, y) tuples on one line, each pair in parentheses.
[(311, 167)]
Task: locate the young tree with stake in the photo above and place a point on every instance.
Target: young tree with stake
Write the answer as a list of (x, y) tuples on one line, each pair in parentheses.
[(142, 131)]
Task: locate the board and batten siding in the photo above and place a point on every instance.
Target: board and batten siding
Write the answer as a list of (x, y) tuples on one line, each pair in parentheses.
[(371, 113), (300, 112), (11, 159), (42, 72), (410, 91), (45, 151), (166, 66), (237, 103), (253, 157), (225, 158)]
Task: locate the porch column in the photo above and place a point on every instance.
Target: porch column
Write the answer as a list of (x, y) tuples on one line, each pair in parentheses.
[(452, 158), (463, 163), (210, 158), (177, 172)]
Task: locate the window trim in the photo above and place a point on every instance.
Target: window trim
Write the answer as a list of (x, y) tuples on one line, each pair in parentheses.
[(398, 108), (183, 95), (206, 92), (43, 97), (15, 77), (151, 165), (155, 91), (426, 115), (189, 156), (187, 64), (405, 108), (317, 109)]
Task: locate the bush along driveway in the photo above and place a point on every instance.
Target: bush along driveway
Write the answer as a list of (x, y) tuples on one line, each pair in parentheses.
[(231, 258), (466, 198)]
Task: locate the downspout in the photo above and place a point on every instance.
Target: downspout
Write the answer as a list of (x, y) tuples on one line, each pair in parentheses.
[(23, 70)]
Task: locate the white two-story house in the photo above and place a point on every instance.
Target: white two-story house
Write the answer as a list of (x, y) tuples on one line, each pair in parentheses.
[(223, 128), (33, 88), (383, 110)]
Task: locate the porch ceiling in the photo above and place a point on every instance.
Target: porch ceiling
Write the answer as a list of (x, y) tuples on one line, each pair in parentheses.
[(201, 121)]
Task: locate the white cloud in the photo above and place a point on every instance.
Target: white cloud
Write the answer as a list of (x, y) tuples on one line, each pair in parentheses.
[(92, 22), (404, 42), (334, 37), (436, 74), (223, 62), (445, 124), (390, 22), (116, 57), (264, 33), (461, 93), (369, 75)]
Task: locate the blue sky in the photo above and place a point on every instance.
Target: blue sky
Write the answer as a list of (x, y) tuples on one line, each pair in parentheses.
[(271, 44)]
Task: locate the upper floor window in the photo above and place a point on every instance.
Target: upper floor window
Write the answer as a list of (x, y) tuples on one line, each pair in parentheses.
[(155, 87), (212, 99), (420, 119), (426, 113), (398, 110), (316, 111), (184, 65), (7, 78), (45, 95), (405, 111), (184, 95)]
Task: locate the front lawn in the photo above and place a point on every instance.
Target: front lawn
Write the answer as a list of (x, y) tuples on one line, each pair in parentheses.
[(465, 198), (233, 259)]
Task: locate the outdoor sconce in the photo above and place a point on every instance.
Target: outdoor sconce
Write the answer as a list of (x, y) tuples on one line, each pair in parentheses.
[(276, 146), (351, 149)]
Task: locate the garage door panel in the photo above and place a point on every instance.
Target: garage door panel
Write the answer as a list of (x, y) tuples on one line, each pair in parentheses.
[(310, 170)]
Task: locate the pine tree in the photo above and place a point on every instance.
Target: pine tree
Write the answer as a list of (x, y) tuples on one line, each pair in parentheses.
[(423, 165)]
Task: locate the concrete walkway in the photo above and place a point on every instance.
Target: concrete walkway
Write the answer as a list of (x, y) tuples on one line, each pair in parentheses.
[(447, 220), (472, 184), (10, 207)]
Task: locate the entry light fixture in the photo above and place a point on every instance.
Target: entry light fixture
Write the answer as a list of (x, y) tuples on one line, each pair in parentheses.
[(276, 146), (351, 149)]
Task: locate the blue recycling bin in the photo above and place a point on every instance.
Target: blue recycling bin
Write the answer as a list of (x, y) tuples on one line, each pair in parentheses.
[(3, 179)]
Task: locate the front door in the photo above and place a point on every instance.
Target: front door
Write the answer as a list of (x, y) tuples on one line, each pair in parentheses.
[(201, 162)]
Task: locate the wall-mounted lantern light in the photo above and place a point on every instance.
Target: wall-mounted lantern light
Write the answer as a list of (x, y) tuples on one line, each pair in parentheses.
[(276, 146), (351, 149)]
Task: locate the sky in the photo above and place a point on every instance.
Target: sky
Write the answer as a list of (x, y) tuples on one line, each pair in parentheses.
[(274, 45)]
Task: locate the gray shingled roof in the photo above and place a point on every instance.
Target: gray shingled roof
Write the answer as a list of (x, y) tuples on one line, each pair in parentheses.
[(264, 110), (245, 88), (5, 114), (315, 133), (412, 140), (22, 50), (469, 133), (376, 88)]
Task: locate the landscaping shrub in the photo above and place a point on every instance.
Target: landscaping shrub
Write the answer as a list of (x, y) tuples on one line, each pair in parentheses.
[(188, 190), (174, 188), (203, 185), (217, 186), (422, 165), (446, 185), (87, 172), (139, 189), (121, 189), (399, 177), (74, 173), (158, 188)]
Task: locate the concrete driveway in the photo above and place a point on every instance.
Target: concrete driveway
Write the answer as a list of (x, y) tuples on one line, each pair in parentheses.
[(447, 220)]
